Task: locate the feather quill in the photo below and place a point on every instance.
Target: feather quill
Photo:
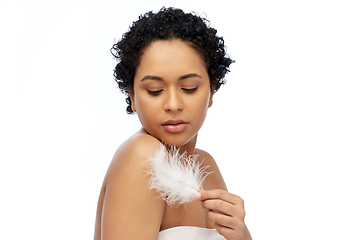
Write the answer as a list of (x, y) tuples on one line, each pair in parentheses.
[(176, 177)]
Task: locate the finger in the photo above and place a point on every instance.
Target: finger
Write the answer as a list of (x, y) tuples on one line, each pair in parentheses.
[(219, 206), (228, 233), (221, 219), (220, 194), (198, 195), (228, 208)]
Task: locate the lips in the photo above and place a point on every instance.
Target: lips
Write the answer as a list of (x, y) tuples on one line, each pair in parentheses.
[(174, 122), (175, 126)]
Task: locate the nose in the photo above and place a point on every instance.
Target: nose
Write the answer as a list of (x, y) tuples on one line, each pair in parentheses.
[(173, 102)]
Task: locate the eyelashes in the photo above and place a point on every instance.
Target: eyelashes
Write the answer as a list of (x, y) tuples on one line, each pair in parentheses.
[(154, 93), (157, 92), (189, 90)]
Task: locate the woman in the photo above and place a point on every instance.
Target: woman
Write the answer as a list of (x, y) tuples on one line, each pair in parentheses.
[(169, 65)]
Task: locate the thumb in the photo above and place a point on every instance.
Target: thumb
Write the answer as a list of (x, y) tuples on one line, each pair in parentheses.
[(198, 194)]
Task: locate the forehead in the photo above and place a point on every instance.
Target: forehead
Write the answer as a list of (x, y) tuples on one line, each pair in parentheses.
[(171, 54)]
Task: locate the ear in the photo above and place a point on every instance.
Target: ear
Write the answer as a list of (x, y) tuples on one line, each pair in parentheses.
[(131, 95), (210, 102)]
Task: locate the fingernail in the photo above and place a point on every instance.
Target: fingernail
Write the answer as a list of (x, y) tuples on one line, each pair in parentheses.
[(198, 195)]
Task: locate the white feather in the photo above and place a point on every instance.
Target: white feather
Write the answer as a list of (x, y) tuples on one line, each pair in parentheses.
[(176, 177)]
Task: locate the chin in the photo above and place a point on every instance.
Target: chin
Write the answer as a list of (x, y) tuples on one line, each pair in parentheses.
[(172, 144), (176, 142)]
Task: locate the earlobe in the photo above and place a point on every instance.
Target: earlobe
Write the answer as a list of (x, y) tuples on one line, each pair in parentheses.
[(210, 102), (132, 102)]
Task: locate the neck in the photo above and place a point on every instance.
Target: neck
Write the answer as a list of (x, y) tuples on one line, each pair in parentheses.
[(189, 147)]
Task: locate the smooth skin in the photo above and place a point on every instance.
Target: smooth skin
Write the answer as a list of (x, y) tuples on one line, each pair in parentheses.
[(171, 82)]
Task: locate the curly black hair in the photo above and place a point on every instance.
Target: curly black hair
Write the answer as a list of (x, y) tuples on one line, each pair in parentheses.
[(167, 24)]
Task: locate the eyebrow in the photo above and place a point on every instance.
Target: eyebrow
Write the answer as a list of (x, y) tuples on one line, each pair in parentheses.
[(150, 77)]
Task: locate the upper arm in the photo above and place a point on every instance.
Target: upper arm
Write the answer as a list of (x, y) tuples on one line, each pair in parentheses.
[(130, 209)]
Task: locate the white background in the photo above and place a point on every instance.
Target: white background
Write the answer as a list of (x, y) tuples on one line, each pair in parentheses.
[(279, 129)]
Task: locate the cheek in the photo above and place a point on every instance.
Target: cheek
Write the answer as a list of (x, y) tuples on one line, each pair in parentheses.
[(205, 100), (200, 106), (145, 106)]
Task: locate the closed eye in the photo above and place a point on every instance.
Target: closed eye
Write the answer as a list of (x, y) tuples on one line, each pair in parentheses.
[(154, 93), (189, 90)]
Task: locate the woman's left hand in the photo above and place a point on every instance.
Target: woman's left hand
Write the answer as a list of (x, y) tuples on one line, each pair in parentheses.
[(226, 210)]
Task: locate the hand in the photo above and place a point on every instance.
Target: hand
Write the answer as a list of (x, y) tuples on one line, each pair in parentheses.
[(226, 210)]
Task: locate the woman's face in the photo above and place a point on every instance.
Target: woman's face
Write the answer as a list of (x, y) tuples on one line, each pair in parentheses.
[(171, 92)]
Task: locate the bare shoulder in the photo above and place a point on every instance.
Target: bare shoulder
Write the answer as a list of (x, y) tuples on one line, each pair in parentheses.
[(215, 179), (132, 153), (128, 204)]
